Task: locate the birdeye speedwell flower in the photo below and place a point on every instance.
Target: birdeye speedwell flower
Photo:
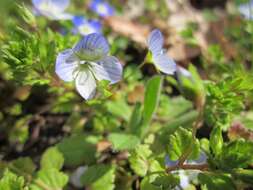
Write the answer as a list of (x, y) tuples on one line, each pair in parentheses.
[(85, 27), (102, 8), (87, 62), (52, 9), (159, 57)]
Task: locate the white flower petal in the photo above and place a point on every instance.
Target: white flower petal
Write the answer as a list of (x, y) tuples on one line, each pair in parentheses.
[(53, 9), (54, 5), (66, 64), (92, 47), (86, 84), (155, 42), (164, 63), (108, 69), (63, 16)]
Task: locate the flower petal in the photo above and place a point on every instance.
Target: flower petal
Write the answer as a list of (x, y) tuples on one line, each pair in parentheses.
[(164, 63), (53, 9), (56, 5), (92, 47), (102, 8), (155, 42), (86, 84), (66, 64), (108, 69)]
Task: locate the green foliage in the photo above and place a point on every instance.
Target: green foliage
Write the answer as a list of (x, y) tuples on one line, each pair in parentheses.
[(10, 181), (78, 149), (216, 140), (237, 154), (181, 141), (49, 178), (152, 93), (245, 175), (52, 158), (123, 141), (139, 159), (99, 177), (210, 181), (141, 117)]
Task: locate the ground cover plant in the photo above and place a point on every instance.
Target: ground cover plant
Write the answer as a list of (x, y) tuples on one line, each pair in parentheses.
[(126, 95)]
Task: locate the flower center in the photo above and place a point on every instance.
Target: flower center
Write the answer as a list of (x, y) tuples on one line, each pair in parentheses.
[(102, 9), (86, 29)]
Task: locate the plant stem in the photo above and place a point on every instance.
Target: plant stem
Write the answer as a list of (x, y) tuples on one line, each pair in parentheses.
[(187, 153), (188, 167)]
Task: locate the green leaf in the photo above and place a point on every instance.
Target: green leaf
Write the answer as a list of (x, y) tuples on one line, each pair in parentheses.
[(236, 154), (139, 159), (119, 108), (212, 181), (11, 181), (99, 177), (27, 15), (135, 120), (216, 140), (50, 178), (151, 99), (147, 185), (181, 141), (244, 175), (167, 181), (123, 141), (52, 158), (24, 165), (78, 149)]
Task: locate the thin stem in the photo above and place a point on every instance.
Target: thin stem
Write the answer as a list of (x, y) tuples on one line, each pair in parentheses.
[(188, 167)]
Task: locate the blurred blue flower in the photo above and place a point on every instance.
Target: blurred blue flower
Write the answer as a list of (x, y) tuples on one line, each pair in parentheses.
[(169, 162), (53, 9), (160, 59), (246, 10), (102, 8), (87, 62), (85, 27)]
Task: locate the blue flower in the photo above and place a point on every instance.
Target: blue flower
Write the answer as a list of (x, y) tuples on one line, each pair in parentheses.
[(246, 10), (102, 8), (87, 62), (169, 162), (53, 9), (85, 27), (160, 59)]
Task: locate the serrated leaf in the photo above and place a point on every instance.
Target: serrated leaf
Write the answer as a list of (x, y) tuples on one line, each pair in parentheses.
[(236, 154), (52, 158), (151, 100), (78, 149), (181, 141), (216, 140), (212, 181), (11, 181), (123, 141), (50, 178), (139, 159), (99, 177), (168, 181)]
